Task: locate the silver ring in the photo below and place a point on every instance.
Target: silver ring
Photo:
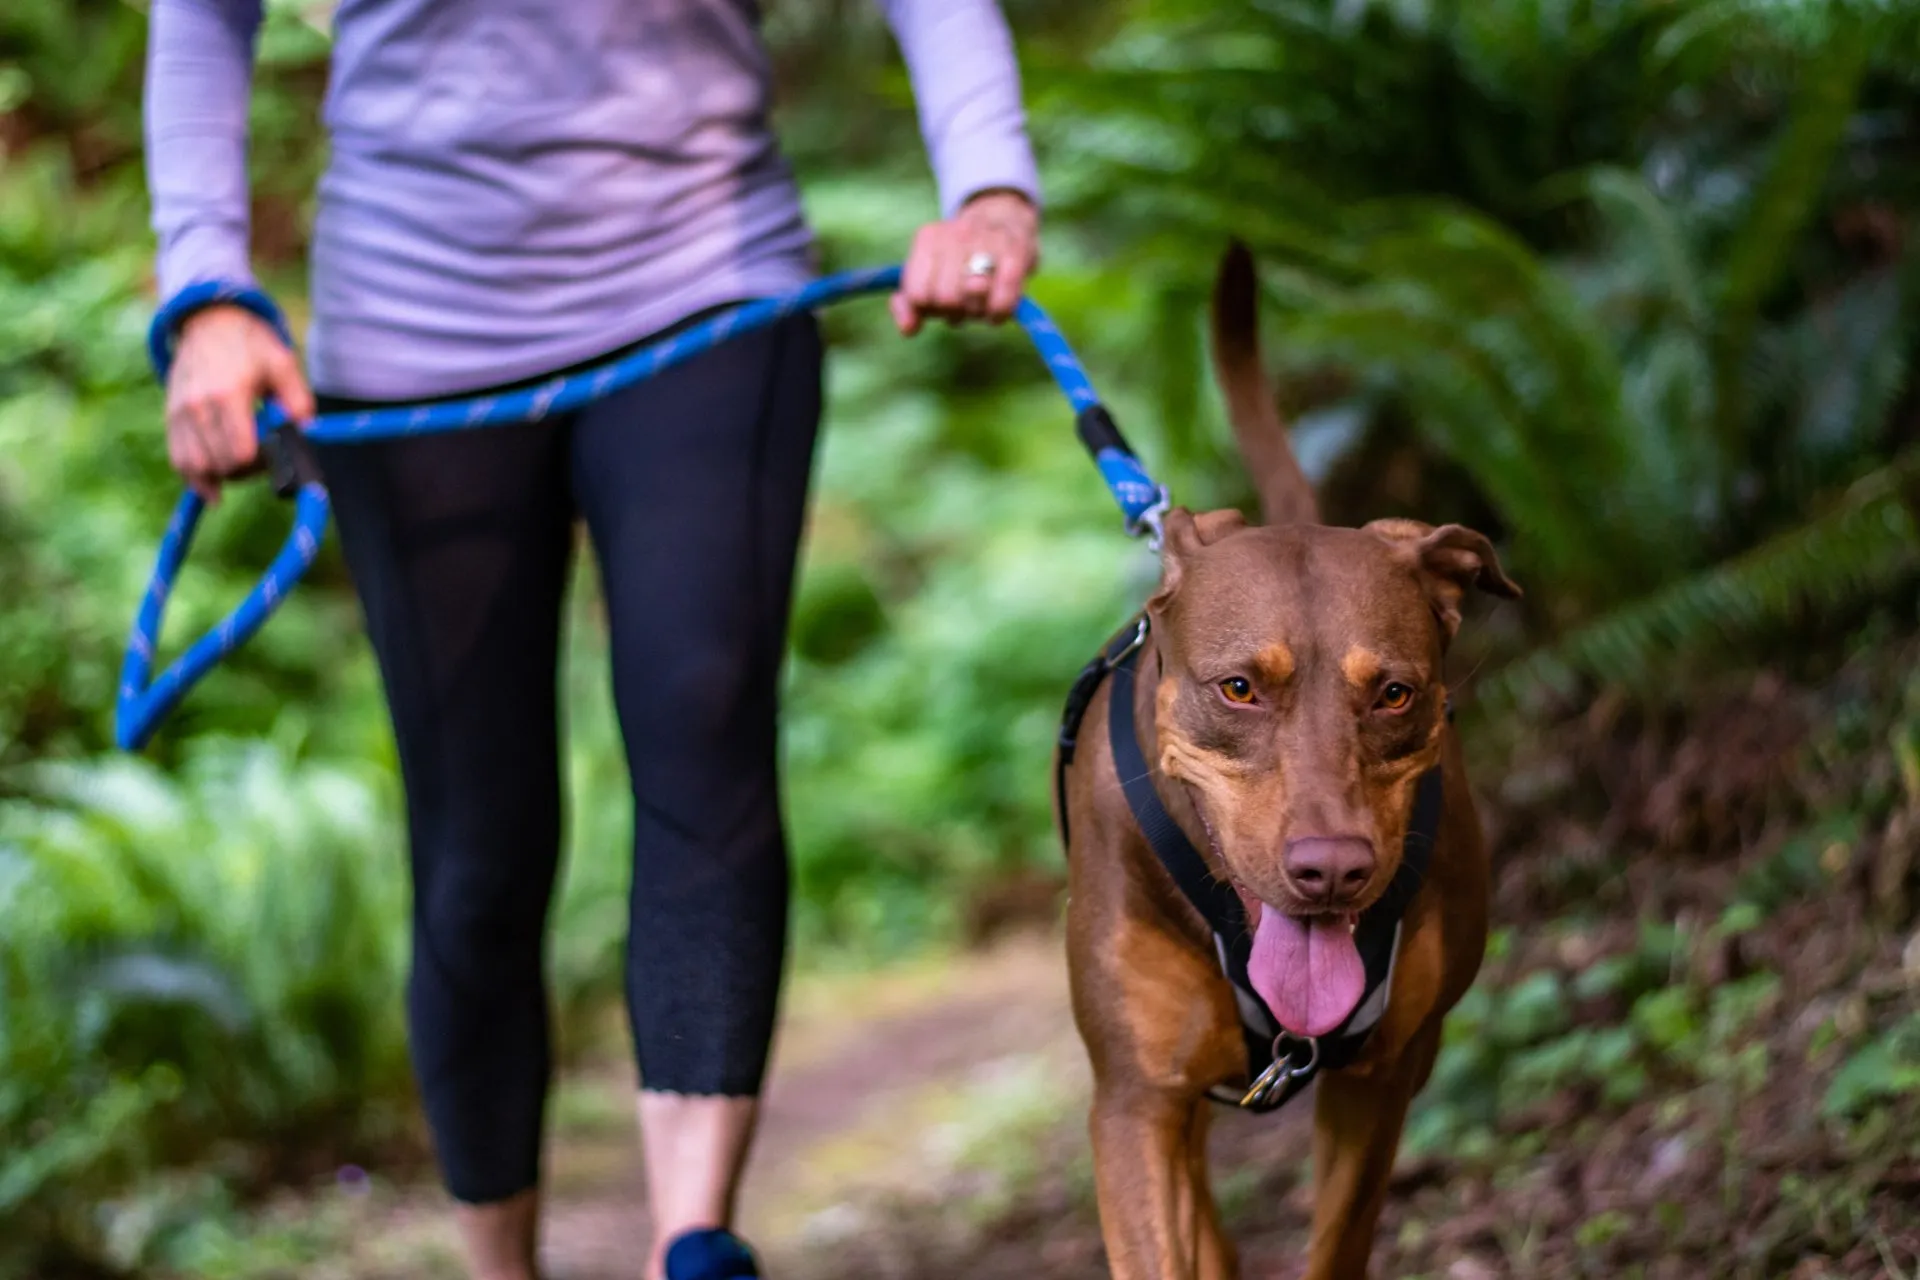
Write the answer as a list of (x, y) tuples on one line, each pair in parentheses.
[(981, 264)]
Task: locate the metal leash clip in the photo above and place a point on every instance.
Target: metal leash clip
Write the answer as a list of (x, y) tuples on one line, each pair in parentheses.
[(1133, 644), (1151, 523), (1283, 1068)]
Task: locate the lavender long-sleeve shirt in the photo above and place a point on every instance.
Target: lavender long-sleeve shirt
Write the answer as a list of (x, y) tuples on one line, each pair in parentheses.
[(518, 185)]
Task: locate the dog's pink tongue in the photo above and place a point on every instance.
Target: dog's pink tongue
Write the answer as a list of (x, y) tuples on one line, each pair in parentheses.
[(1308, 971)]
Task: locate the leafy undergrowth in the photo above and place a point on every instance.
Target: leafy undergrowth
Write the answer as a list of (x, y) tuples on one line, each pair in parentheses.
[(1694, 1049)]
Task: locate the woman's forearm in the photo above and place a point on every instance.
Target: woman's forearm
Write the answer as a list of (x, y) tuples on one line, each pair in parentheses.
[(199, 75), (966, 83)]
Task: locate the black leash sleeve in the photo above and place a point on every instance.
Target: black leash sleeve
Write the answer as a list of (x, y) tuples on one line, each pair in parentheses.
[(1098, 431), (291, 461)]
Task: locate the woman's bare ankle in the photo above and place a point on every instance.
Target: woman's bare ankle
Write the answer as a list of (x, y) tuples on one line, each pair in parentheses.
[(695, 1146), (501, 1237)]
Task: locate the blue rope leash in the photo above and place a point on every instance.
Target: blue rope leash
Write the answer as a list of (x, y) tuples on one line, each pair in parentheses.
[(145, 700)]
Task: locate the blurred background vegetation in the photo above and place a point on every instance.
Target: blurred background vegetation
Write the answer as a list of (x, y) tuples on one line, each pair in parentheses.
[(1625, 283)]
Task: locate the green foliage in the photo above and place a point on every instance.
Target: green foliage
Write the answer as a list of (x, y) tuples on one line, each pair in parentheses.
[(1581, 249), (1700, 1024), (1887, 1067), (1783, 201), (217, 955), (1866, 545), (189, 959), (72, 69), (1610, 1031)]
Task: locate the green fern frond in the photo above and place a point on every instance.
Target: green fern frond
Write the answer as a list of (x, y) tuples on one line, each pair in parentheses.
[(1762, 248), (1831, 376), (1508, 371), (1868, 542), (1638, 218)]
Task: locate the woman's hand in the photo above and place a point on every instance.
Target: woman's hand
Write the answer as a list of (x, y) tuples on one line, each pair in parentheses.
[(972, 266), (226, 361)]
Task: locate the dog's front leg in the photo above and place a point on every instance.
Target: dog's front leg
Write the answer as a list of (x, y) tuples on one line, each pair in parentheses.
[(1156, 1212), (1217, 1260), (1357, 1120)]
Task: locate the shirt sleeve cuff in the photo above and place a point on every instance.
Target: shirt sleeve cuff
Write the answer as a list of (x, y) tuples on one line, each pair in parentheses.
[(201, 253), (1001, 165)]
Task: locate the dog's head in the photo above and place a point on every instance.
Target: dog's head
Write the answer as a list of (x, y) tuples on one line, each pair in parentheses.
[(1300, 699)]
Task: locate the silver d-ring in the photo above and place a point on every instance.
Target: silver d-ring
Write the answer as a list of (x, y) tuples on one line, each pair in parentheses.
[(1297, 1070), (981, 265)]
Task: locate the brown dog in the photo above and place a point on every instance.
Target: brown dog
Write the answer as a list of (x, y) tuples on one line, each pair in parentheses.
[(1287, 693)]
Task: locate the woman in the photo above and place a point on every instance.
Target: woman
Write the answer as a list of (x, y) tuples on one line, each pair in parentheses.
[(516, 188)]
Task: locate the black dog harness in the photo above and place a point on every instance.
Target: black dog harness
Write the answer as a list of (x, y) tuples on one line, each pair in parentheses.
[(1279, 1063)]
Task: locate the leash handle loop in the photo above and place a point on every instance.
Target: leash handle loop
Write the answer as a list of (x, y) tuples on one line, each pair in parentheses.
[(144, 700)]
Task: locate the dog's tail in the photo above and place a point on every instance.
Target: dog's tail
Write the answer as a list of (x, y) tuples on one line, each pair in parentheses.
[(1285, 495)]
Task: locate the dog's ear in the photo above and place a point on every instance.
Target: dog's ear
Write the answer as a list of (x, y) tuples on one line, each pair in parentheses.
[(1449, 559), (1182, 534)]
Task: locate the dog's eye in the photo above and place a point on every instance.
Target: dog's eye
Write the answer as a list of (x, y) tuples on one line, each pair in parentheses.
[(1396, 697), (1237, 689)]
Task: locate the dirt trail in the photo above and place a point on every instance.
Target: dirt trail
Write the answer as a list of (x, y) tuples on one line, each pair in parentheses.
[(879, 1085), (924, 1122)]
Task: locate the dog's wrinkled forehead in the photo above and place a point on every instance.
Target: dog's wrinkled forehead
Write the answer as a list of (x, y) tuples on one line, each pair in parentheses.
[(1235, 592)]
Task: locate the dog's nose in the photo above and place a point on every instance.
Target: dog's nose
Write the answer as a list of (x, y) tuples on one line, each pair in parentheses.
[(1330, 869)]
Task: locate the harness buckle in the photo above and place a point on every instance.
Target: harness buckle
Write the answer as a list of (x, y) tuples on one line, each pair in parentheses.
[(1283, 1068)]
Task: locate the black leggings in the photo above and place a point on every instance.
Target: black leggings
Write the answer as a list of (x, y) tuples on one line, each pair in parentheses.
[(693, 485)]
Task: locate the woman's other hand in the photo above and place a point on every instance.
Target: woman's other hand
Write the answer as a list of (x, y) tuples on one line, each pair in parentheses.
[(225, 362), (974, 266)]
